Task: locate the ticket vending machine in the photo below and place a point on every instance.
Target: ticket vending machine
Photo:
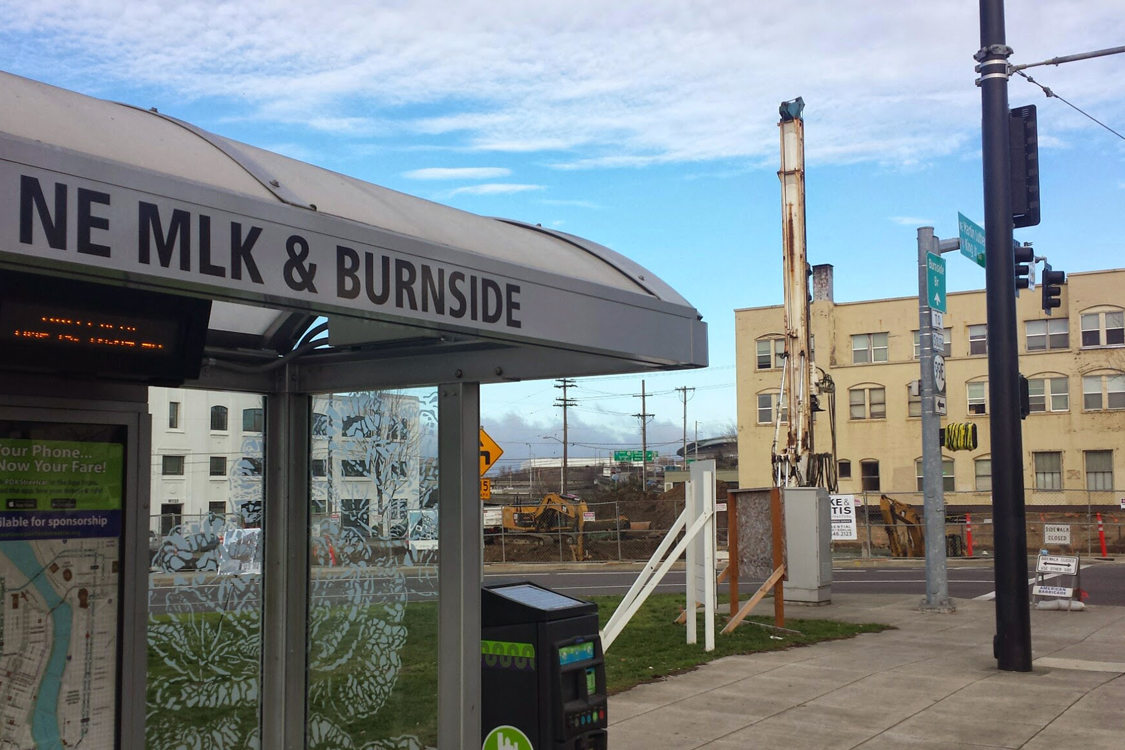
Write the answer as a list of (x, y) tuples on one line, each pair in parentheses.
[(542, 670)]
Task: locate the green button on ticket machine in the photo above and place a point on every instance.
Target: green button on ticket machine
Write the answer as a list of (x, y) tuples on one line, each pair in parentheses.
[(542, 670)]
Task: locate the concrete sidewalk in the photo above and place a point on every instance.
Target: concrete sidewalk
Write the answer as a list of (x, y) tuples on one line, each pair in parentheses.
[(931, 683)]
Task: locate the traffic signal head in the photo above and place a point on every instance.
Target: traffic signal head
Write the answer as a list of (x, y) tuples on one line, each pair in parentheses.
[(1051, 288), (1024, 257)]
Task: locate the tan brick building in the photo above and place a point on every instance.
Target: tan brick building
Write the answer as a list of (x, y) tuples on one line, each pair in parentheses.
[(1073, 440)]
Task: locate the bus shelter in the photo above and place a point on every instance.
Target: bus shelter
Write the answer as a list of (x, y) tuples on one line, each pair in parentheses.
[(139, 251)]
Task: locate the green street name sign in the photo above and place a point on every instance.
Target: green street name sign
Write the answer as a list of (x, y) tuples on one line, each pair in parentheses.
[(935, 282), (972, 239)]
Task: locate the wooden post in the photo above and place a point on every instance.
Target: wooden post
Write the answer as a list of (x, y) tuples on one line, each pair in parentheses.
[(732, 551), (778, 557)]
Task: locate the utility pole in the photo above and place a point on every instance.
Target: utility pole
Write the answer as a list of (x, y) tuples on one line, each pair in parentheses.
[(684, 395), (644, 415), (1012, 643), (564, 402)]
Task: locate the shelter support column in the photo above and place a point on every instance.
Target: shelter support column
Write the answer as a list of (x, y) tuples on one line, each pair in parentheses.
[(285, 570), (460, 566)]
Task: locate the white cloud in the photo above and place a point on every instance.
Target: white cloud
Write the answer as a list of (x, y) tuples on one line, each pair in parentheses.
[(457, 173), (637, 83), (911, 221), (494, 188)]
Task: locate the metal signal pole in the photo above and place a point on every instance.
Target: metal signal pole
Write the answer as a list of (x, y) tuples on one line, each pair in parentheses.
[(1012, 643)]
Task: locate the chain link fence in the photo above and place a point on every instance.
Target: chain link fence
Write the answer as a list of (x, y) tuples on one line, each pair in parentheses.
[(1068, 526)]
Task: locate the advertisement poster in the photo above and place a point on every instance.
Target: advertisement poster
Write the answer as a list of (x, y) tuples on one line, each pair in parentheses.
[(61, 504)]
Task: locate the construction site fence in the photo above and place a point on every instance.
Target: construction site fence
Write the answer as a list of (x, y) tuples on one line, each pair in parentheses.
[(1064, 522), (634, 540)]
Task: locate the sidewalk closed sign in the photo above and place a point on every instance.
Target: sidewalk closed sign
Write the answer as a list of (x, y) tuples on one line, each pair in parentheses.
[(1056, 533), (842, 508)]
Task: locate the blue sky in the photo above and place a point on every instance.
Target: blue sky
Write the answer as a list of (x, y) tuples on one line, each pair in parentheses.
[(649, 127)]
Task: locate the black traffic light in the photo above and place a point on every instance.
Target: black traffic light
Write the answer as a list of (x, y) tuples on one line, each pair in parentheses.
[(1023, 139), (1051, 288), (1024, 256), (1025, 396)]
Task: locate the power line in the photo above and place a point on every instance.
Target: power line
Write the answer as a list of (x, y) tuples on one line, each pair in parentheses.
[(1051, 94)]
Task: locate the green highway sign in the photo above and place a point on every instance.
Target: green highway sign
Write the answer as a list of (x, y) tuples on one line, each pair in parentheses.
[(972, 239), (935, 282), (622, 456)]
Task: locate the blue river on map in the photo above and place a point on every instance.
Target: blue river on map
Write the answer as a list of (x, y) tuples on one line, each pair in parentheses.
[(44, 720)]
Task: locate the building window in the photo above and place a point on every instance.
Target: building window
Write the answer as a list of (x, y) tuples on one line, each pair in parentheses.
[(1099, 471), (946, 347), (355, 469), (767, 408), (218, 466), (172, 466), (1103, 328), (171, 514), (217, 508), (1048, 470), (1101, 392), (982, 473), (218, 419), (977, 397), (913, 400), (869, 475), (1048, 334), (355, 514), (253, 420), (771, 353), (946, 474), (250, 466), (844, 469), (869, 347), (173, 415), (319, 467), (868, 403), (1048, 394), (978, 339), (319, 424)]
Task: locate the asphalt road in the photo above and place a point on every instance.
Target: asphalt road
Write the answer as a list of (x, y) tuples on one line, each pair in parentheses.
[(1104, 582)]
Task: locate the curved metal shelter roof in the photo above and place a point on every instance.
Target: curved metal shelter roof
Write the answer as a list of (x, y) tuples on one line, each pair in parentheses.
[(305, 263)]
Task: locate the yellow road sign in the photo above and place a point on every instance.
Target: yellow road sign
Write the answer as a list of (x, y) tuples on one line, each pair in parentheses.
[(490, 452), (485, 489)]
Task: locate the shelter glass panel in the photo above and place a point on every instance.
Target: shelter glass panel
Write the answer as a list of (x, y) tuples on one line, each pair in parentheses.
[(373, 579), (205, 587)]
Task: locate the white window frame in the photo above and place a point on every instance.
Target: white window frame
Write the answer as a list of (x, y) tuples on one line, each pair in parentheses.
[(1098, 480), (978, 475), (1051, 393), (774, 398), (978, 339), (868, 402), (1047, 479), (1109, 388), (1047, 335), (776, 353), (976, 394), (947, 347), (947, 484), (873, 346), (1107, 325)]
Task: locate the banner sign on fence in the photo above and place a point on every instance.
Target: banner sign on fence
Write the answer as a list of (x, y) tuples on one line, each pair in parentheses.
[(1056, 533), (842, 509)]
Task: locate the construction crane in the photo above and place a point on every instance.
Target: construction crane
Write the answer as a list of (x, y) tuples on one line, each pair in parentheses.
[(794, 463)]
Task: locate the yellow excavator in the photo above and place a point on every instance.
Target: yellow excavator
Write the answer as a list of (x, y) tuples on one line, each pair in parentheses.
[(895, 513), (557, 513)]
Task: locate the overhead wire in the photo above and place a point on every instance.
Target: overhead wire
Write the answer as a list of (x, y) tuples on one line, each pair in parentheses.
[(1052, 95)]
